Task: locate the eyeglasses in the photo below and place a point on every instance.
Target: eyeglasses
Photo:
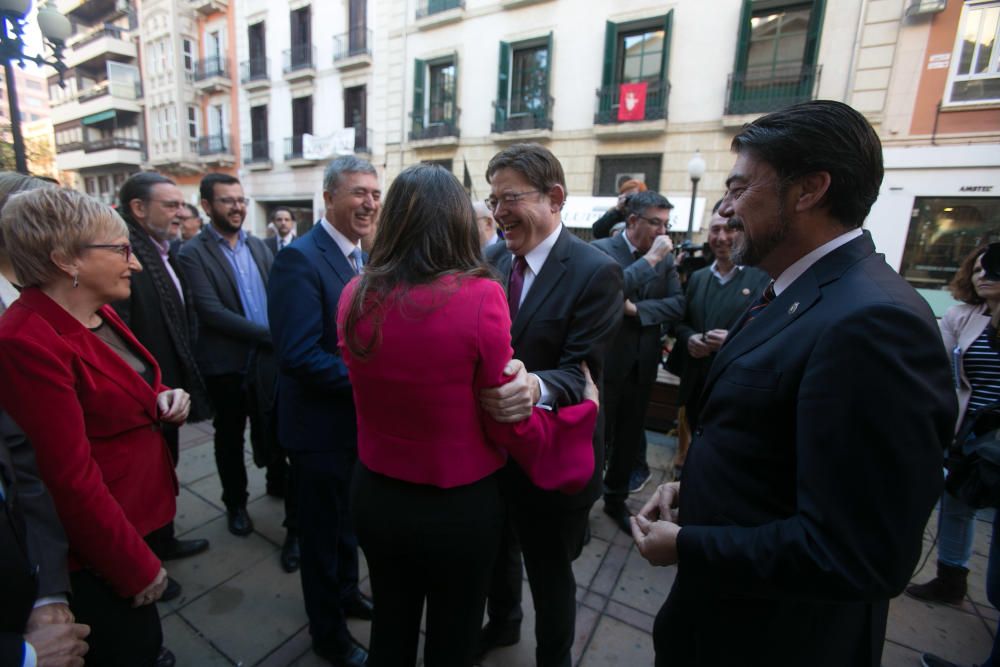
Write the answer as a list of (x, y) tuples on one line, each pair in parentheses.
[(655, 222), (166, 203), (232, 201), (507, 199), (123, 249)]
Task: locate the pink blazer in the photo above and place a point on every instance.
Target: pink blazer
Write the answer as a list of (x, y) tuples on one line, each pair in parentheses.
[(418, 415)]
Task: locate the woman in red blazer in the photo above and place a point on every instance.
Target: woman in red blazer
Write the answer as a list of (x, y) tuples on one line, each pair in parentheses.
[(422, 331), (89, 397)]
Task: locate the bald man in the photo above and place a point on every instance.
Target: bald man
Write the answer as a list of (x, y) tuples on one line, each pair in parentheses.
[(487, 225)]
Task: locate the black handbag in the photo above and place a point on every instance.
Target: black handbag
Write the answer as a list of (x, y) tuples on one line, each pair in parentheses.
[(974, 460)]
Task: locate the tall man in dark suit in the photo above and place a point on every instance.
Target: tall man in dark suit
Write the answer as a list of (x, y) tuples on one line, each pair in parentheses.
[(566, 302), (284, 229), (817, 457), (316, 419), (36, 624), (160, 312), (227, 270), (653, 298)]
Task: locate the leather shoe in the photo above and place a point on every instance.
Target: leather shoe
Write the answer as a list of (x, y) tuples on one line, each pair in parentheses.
[(618, 514), (172, 591), (495, 635), (240, 523), (290, 553), (359, 606), (183, 548), (353, 655), (165, 658)]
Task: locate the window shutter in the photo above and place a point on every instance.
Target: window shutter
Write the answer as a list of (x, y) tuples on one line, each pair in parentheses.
[(610, 49), (812, 37), (419, 68), (454, 92), (743, 40), (668, 23), (503, 85), (548, 66)]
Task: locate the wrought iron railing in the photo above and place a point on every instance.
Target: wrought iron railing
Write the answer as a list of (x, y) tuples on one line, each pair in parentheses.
[(214, 144), (299, 57), (427, 124), (104, 143), (293, 147), (255, 69), (110, 30), (257, 152), (764, 89), (357, 42), (537, 117), (211, 67), (609, 102), (428, 7)]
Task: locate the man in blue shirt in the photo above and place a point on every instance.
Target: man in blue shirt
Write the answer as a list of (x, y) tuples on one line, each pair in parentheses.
[(227, 269)]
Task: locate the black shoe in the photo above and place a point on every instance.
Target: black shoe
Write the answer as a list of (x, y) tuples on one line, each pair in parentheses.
[(290, 556), (637, 480), (359, 606), (495, 635), (239, 522), (616, 510), (165, 658), (931, 660), (353, 655), (586, 535), (276, 490), (171, 592), (177, 549)]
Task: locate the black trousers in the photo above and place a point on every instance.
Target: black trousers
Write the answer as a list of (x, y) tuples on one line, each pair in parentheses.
[(625, 404), (439, 550), (327, 544), (551, 538), (120, 636)]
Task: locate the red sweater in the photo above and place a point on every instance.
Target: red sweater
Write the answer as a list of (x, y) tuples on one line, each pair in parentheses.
[(416, 396)]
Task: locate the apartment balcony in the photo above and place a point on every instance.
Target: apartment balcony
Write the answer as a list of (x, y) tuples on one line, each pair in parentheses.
[(108, 42), (363, 142), (300, 62), (90, 11), (352, 50), (102, 152), (625, 118), (532, 121), (211, 75), (104, 97), (432, 13), (207, 7), (434, 127), (257, 155), (761, 90), (294, 154), (254, 74), (216, 149)]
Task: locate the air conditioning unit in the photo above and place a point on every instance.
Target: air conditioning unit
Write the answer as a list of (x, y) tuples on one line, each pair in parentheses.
[(922, 7)]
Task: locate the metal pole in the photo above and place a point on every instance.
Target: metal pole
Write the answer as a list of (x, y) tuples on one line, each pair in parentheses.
[(694, 193), (20, 163)]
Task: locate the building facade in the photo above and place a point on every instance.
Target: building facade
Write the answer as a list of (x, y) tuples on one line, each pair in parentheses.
[(36, 126)]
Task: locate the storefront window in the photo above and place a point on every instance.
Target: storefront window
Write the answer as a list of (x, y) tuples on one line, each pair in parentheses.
[(943, 230)]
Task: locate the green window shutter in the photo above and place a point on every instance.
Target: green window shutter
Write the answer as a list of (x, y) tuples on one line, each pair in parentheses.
[(610, 51), (503, 85), (419, 68), (548, 77), (812, 38), (743, 41), (668, 24), (454, 92)]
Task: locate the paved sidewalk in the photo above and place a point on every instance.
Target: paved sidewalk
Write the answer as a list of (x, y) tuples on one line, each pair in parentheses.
[(240, 608)]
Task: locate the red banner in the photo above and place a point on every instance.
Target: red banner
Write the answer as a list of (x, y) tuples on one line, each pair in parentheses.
[(632, 101)]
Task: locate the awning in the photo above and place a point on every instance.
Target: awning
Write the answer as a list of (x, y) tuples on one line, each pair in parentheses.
[(93, 119)]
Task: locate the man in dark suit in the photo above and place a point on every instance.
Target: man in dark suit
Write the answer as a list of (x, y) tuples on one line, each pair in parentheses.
[(653, 298), (227, 270), (316, 419), (566, 302), (160, 312), (817, 457), (284, 229), (36, 624)]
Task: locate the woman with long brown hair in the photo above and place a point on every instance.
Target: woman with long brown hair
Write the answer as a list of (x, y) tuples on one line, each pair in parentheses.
[(422, 331)]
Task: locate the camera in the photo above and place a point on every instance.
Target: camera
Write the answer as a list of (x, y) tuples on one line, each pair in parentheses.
[(991, 262)]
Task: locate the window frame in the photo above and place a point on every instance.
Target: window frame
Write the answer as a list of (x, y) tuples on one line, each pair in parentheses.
[(953, 76)]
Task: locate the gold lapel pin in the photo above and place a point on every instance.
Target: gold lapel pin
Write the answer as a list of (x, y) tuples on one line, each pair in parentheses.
[(792, 308)]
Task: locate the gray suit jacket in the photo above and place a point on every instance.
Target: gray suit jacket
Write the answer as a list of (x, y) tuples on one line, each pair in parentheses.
[(225, 335)]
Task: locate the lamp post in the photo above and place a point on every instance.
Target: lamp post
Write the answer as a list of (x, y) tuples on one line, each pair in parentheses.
[(696, 169), (55, 29)]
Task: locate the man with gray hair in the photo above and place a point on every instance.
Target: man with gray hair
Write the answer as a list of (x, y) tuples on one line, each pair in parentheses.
[(315, 409)]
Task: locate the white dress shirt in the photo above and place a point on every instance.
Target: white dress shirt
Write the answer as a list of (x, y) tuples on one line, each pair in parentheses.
[(789, 275), (342, 241)]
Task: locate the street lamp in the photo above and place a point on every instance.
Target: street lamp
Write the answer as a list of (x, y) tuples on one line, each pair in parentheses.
[(696, 169), (55, 29)]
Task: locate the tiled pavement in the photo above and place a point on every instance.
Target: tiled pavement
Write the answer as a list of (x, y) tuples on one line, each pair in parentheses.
[(239, 607)]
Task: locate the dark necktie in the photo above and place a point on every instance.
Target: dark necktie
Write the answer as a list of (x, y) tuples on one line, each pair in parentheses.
[(761, 303), (516, 286), (636, 255)]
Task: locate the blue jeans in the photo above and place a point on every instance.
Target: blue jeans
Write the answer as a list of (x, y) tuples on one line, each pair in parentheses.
[(956, 530)]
